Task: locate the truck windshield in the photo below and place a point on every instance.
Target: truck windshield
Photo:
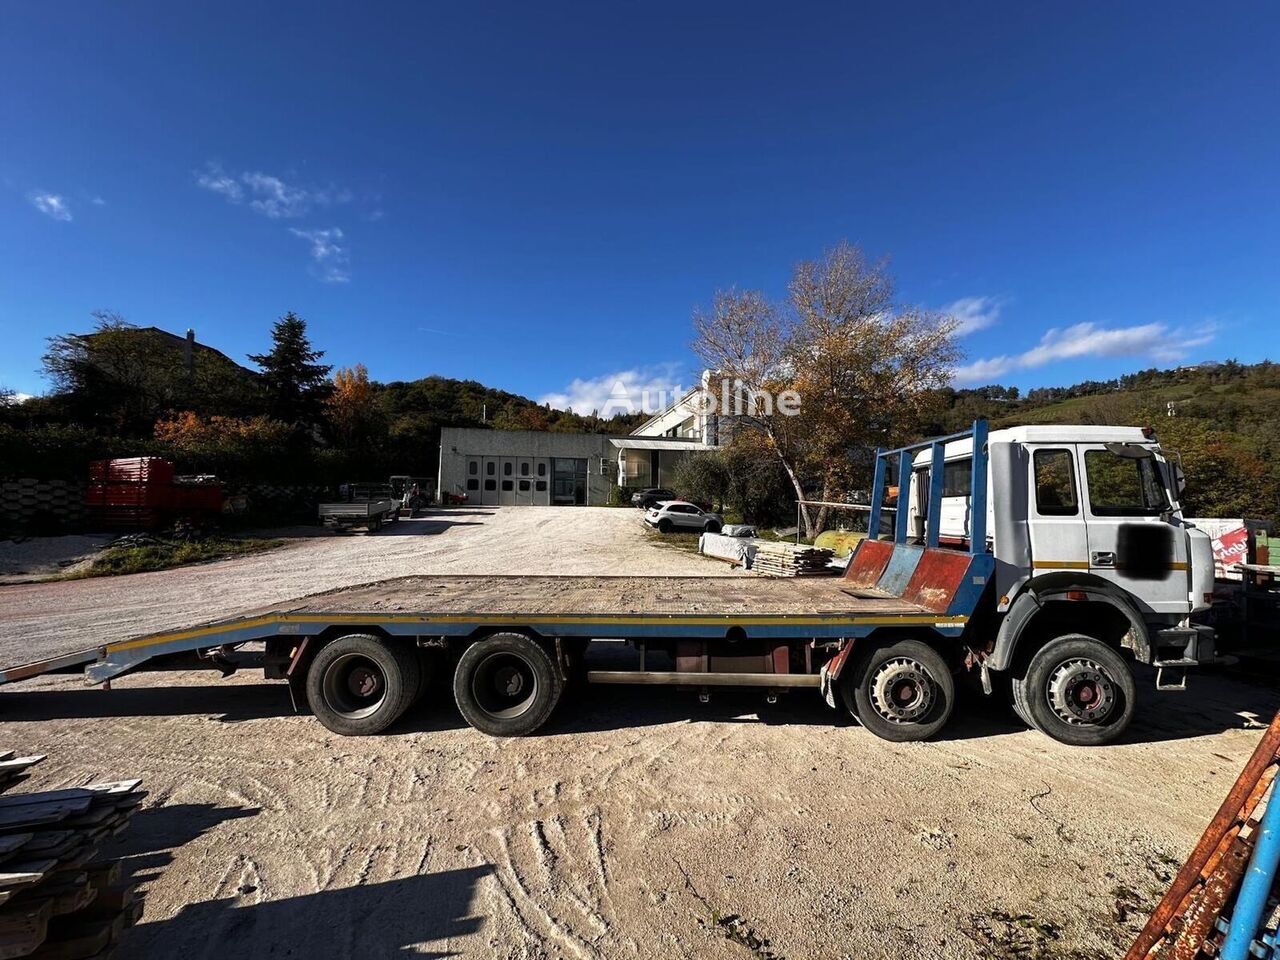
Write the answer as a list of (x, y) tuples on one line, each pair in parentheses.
[(1122, 486)]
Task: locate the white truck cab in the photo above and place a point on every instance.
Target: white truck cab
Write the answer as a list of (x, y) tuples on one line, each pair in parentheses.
[(1086, 530)]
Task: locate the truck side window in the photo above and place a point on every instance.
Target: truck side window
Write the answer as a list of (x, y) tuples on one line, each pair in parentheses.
[(957, 478), (1123, 487), (1055, 484)]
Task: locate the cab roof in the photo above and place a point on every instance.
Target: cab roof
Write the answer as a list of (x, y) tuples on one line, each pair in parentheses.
[(1047, 433)]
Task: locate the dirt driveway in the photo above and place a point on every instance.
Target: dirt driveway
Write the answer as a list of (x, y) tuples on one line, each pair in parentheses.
[(640, 823), (50, 618)]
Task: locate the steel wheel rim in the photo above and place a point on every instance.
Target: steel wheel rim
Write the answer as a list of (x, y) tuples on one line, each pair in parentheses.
[(505, 685), (354, 686), (902, 691), (1081, 693)]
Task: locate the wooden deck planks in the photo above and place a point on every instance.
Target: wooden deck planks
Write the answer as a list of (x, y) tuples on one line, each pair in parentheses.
[(606, 596)]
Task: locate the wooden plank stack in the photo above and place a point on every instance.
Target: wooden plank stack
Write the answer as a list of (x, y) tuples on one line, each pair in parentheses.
[(792, 560), (57, 900)]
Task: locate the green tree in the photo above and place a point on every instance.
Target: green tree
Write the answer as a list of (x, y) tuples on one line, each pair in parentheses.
[(296, 385)]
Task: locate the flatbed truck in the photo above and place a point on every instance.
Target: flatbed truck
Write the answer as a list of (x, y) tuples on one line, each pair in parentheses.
[(1040, 561)]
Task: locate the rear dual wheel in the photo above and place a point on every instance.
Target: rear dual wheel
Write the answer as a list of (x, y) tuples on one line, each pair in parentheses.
[(506, 685), (901, 691), (360, 684)]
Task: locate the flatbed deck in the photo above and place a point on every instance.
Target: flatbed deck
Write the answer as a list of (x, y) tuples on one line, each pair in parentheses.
[(639, 607)]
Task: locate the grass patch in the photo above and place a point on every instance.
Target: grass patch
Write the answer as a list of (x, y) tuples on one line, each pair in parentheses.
[(166, 554), (688, 542)]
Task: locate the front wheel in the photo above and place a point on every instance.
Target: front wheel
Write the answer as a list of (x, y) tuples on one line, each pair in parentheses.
[(1077, 690), (506, 685), (664, 525), (901, 692)]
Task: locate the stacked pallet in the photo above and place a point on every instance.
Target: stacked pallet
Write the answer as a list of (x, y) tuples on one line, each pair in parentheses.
[(57, 900), (792, 560)]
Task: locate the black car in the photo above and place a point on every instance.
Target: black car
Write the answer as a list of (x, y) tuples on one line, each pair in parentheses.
[(644, 499)]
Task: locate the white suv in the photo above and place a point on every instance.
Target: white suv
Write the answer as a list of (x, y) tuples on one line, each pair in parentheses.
[(678, 515)]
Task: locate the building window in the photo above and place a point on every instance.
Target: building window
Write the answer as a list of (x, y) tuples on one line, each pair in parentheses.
[(489, 468), (540, 486), (473, 484), (506, 469), (524, 486), (473, 468), (542, 469), (524, 468), (491, 485), (507, 486)]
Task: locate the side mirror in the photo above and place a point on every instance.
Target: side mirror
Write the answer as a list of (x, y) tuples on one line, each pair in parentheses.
[(1179, 478)]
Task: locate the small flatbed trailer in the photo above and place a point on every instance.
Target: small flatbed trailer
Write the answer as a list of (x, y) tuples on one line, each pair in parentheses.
[(1050, 613), (369, 514)]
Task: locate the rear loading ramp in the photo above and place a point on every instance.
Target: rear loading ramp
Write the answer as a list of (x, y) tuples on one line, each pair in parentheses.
[(570, 606)]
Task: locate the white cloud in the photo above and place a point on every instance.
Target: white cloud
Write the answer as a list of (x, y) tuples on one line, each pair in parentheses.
[(14, 398), (267, 194), (643, 389), (328, 252), (97, 201), (974, 313), (51, 205), (214, 180), (1157, 341)]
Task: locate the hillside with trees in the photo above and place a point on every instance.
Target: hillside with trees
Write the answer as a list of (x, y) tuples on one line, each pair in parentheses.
[(123, 391), (128, 391)]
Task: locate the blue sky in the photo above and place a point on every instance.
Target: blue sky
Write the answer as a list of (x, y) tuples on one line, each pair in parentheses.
[(537, 196)]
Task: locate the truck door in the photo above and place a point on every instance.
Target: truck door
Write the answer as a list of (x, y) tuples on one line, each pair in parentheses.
[(1132, 539), (1055, 519)]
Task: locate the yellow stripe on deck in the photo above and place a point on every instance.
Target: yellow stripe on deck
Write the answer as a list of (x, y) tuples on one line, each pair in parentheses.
[(932, 619)]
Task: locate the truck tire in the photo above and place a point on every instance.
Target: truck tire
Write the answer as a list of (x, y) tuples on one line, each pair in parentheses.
[(1077, 690), (361, 684), (902, 691), (375, 524), (506, 685)]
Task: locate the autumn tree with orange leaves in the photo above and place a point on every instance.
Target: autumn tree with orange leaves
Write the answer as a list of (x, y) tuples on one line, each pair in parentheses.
[(352, 407)]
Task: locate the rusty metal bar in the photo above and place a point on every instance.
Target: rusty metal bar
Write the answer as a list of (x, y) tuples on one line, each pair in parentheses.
[(1228, 813)]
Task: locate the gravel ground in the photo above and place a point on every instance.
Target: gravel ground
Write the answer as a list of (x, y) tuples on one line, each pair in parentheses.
[(44, 619), (639, 823), (35, 557)]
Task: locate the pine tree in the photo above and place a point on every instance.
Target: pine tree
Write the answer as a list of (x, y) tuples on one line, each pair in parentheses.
[(295, 384)]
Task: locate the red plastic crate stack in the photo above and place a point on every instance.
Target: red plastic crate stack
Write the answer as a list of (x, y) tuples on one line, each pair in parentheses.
[(136, 492)]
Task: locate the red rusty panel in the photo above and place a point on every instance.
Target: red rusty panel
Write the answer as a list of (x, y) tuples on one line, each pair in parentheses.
[(936, 579), (868, 562), (781, 655)]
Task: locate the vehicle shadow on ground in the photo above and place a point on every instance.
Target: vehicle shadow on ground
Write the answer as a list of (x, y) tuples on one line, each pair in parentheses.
[(1215, 701), (371, 920), (226, 702), (1212, 704), (423, 527), (368, 920)]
